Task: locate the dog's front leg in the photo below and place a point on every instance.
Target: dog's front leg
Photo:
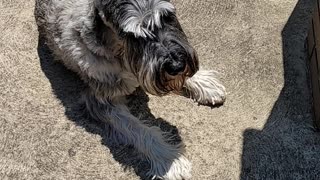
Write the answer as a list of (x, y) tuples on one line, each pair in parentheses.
[(167, 161), (205, 88)]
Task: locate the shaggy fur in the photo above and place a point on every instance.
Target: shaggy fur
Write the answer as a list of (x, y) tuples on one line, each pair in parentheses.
[(116, 46)]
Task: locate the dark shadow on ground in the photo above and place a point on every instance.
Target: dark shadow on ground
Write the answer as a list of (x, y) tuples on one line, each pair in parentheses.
[(68, 88), (288, 147)]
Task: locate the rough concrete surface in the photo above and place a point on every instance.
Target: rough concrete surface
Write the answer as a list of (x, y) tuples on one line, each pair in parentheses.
[(263, 131)]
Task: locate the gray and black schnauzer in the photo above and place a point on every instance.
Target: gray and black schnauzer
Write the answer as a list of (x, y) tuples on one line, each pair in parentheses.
[(118, 45)]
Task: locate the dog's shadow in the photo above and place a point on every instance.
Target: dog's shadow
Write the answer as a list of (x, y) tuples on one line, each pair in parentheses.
[(68, 88)]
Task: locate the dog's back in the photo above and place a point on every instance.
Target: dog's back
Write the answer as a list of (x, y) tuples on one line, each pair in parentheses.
[(73, 33)]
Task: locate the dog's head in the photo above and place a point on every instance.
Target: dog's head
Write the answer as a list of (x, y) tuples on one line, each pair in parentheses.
[(155, 49)]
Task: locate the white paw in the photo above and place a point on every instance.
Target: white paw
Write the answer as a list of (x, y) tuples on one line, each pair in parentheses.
[(205, 88), (178, 169)]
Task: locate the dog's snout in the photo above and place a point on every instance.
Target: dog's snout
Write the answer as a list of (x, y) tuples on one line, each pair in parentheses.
[(174, 67)]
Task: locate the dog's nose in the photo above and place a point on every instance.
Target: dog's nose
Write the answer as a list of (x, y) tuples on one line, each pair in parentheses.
[(175, 67)]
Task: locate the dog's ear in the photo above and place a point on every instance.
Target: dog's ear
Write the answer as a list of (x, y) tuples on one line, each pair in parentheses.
[(141, 17), (138, 17)]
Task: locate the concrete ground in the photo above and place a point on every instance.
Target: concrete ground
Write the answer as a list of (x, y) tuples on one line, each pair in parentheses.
[(264, 130)]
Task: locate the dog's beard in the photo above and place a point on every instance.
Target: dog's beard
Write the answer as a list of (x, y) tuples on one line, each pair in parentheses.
[(150, 80), (152, 77), (157, 82), (147, 59), (150, 73), (176, 83)]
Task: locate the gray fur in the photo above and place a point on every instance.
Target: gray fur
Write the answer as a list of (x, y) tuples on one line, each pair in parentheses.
[(116, 46), (144, 21)]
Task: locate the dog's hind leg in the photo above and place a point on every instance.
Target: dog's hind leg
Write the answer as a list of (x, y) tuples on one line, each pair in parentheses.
[(205, 88), (167, 161)]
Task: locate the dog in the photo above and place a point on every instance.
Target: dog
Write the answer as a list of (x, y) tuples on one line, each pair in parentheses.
[(116, 46)]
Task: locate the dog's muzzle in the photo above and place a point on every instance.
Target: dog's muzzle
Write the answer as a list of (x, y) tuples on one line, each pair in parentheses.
[(175, 75)]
